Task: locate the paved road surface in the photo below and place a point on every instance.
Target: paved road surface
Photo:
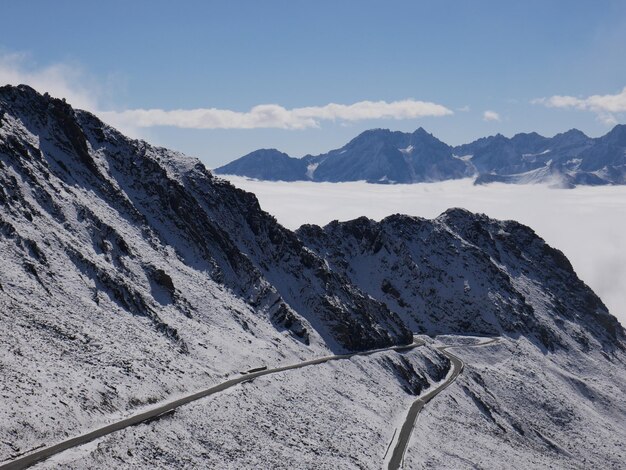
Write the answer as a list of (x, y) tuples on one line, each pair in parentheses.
[(45, 452), (407, 427)]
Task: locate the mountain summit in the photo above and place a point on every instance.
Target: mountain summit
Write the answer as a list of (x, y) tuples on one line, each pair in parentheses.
[(377, 155)]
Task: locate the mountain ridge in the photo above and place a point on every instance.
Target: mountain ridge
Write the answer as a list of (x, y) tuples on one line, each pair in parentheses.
[(385, 258), (383, 156)]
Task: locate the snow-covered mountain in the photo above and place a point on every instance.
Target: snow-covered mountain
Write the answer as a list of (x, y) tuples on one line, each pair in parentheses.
[(499, 278), (382, 156), (378, 156), (129, 274), (127, 269), (568, 159)]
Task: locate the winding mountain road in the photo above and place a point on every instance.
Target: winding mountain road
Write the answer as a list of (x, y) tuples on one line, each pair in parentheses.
[(399, 449), (46, 452), (407, 427)]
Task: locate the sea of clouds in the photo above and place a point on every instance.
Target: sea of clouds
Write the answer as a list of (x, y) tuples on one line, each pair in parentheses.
[(586, 223)]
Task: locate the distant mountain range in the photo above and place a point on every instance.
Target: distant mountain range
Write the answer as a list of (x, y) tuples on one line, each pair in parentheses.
[(383, 156)]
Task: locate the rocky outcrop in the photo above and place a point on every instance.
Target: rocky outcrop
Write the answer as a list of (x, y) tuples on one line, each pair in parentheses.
[(465, 273)]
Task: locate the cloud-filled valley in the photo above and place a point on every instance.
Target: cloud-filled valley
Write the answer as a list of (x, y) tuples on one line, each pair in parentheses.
[(586, 223)]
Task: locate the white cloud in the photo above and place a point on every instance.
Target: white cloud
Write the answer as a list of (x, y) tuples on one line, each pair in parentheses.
[(60, 80), (604, 106), (464, 109), (276, 116), (70, 82), (491, 116)]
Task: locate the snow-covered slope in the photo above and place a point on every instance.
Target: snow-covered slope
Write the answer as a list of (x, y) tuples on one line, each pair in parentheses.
[(497, 277), (126, 276), (513, 407), (129, 274), (518, 407), (339, 415)]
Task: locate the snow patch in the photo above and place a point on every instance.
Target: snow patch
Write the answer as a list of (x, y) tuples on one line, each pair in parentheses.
[(536, 154), (310, 170)]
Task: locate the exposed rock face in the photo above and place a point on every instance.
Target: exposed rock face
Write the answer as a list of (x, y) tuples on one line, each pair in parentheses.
[(338, 310), (463, 273)]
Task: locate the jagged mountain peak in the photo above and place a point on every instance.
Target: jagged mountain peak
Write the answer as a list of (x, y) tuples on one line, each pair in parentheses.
[(531, 134), (386, 133), (26, 101), (572, 133), (12, 92), (55, 115), (529, 142), (616, 136), (376, 155), (459, 212), (379, 131)]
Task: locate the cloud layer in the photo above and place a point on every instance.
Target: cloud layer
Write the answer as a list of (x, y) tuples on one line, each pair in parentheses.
[(70, 82), (587, 223), (276, 116), (605, 106)]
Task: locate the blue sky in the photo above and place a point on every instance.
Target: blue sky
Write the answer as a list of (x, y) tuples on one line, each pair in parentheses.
[(440, 65)]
